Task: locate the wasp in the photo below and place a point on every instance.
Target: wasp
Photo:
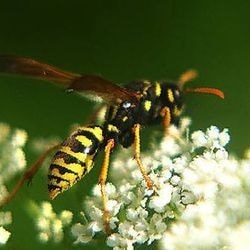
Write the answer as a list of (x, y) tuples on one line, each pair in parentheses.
[(129, 108)]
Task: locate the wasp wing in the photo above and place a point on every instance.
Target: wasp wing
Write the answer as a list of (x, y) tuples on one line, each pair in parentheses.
[(95, 85), (25, 66)]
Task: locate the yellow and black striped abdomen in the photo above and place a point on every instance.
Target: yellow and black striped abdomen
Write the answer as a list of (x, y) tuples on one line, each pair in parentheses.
[(74, 159)]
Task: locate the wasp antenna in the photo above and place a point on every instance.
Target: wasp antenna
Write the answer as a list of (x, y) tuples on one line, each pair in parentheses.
[(212, 91), (187, 76)]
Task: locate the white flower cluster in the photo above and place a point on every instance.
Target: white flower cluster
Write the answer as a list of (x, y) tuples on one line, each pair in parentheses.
[(5, 219), (220, 219), (49, 224), (12, 161), (199, 200), (12, 157)]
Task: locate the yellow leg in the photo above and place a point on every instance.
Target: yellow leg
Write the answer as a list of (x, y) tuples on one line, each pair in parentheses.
[(102, 181), (165, 113), (28, 175), (137, 155), (187, 76)]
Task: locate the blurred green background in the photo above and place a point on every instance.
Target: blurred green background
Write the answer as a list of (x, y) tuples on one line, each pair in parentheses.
[(122, 41)]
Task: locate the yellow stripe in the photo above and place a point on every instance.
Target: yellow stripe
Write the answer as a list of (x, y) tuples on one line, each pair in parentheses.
[(80, 156), (112, 128), (170, 95), (157, 89), (89, 163), (96, 131), (69, 177), (75, 167), (125, 118), (147, 105), (84, 140), (84, 158), (63, 184)]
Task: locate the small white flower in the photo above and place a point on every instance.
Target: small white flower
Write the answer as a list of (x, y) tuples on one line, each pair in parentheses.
[(43, 224), (199, 139), (43, 237), (224, 137), (213, 133), (4, 236), (132, 214), (47, 210), (66, 217), (19, 138), (82, 233), (49, 224), (175, 180), (239, 237), (163, 197)]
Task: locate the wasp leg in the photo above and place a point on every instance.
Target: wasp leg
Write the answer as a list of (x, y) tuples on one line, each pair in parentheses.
[(137, 155), (187, 76), (102, 181), (165, 113), (28, 175)]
